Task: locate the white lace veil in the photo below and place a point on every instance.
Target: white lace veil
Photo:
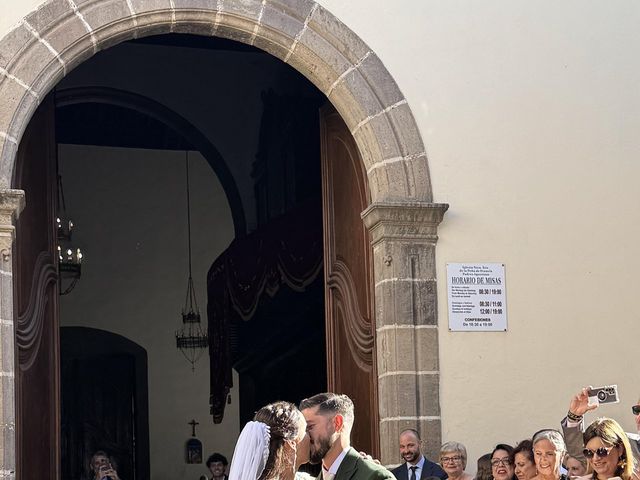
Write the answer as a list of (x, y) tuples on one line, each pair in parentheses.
[(251, 452)]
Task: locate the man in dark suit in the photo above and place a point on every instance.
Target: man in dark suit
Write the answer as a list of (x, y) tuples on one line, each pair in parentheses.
[(329, 421), (416, 466)]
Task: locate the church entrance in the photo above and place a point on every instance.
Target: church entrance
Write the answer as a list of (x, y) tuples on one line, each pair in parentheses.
[(401, 218), (281, 258)]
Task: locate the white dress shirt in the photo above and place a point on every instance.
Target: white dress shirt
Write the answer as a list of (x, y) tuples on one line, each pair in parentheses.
[(420, 464), (330, 473)]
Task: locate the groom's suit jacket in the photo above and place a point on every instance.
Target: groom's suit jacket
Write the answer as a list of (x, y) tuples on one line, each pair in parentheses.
[(354, 467)]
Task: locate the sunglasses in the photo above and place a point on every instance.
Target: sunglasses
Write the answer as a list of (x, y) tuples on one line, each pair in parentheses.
[(636, 409), (601, 452)]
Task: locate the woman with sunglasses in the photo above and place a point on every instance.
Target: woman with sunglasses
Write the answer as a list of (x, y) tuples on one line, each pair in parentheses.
[(549, 450), (501, 465), (573, 425), (608, 452)]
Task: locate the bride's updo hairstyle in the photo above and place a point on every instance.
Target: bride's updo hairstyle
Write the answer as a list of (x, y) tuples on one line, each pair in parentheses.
[(283, 419)]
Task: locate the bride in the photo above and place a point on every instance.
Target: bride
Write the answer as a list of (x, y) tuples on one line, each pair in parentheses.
[(272, 446)]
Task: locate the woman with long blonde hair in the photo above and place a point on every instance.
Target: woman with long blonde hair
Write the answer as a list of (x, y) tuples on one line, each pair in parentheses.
[(608, 452)]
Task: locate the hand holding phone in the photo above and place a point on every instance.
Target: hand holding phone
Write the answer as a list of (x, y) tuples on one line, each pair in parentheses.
[(104, 471), (579, 404)]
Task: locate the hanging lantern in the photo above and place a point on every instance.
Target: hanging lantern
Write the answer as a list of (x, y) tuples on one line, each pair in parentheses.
[(191, 338), (69, 255)]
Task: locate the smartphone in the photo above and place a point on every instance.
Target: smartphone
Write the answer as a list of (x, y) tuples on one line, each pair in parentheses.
[(102, 469), (606, 394)]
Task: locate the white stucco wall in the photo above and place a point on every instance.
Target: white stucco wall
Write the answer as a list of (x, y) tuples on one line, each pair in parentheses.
[(129, 208), (530, 112), (530, 116), (14, 10)]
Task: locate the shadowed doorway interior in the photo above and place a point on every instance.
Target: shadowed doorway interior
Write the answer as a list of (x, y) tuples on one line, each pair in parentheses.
[(123, 168)]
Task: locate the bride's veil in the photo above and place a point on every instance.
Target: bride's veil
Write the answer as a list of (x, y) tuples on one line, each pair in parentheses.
[(251, 452)]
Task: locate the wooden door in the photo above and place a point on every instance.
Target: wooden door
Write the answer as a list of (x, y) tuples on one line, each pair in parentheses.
[(351, 367), (98, 412), (36, 303), (104, 403)]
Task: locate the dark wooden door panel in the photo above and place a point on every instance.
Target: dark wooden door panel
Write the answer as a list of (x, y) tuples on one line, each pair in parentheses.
[(351, 365), (36, 300), (98, 412)]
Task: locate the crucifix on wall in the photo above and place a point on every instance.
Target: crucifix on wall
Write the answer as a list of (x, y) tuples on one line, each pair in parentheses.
[(193, 447)]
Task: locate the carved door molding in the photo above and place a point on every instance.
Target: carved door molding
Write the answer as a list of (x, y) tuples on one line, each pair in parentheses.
[(351, 359), (36, 304)]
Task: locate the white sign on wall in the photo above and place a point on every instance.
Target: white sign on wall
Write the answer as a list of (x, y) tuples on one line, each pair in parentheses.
[(477, 297)]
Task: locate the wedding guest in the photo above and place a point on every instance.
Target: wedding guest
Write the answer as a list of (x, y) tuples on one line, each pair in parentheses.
[(416, 465), (453, 458), (573, 425), (483, 470), (574, 466), (102, 466), (523, 463), (608, 452), (549, 450), (217, 465), (501, 466)]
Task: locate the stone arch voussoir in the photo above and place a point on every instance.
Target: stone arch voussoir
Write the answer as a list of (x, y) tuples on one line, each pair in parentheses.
[(59, 35)]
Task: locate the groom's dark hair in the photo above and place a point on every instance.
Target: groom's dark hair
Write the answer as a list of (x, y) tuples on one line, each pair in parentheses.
[(330, 403)]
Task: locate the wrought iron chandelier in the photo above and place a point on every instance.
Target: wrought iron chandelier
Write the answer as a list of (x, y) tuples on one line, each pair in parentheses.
[(69, 256), (191, 338)]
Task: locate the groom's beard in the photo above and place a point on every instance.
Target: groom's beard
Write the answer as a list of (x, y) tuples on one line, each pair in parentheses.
[(319, 449)]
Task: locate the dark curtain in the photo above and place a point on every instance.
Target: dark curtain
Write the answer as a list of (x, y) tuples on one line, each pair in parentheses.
[(286, 251)]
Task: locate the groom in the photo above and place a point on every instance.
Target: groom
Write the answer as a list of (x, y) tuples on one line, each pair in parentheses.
[(329, 420)]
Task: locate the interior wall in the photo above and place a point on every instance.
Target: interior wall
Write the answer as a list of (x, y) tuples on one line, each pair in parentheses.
[(129, 208)]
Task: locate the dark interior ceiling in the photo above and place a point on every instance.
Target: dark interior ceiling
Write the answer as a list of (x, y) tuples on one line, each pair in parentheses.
[(113, 126), (197, 41)]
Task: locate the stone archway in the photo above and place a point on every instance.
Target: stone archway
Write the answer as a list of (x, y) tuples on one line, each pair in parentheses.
[(403, 222)]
